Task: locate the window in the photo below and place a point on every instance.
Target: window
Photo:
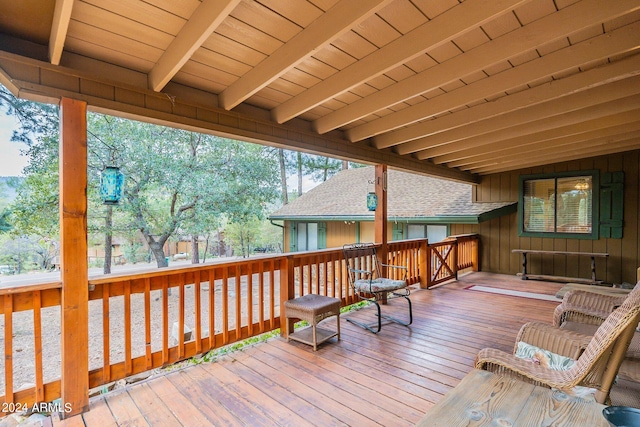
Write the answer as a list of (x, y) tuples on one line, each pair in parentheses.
[(562, 205), (308, 236), (435, 233)]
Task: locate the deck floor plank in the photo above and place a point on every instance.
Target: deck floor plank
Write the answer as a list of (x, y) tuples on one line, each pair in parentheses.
[(193, 403), (360, 388), (154, 410), (124, 409), (276, 412), (390, 378)]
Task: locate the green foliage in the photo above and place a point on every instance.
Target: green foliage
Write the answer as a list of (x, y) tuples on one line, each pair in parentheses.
[(242, 235), (180, 182), (35, 209)]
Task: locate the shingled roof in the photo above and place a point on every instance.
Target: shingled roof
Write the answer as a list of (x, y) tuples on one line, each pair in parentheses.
[(410, 197)]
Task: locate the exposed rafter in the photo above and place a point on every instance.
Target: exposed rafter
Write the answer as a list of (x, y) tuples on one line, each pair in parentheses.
[(620, 111), (332, 24), (59, 27), (432, 34), (574, 154), (204, 21), (466, 118), (587, 141), (585, 14), (441, 142)]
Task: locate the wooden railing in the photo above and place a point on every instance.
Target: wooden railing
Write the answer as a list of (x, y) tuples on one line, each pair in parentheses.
[(135, 319)]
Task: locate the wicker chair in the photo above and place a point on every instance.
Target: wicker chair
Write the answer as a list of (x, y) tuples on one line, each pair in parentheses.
[(364, 271), (595, 367), (583, 312)]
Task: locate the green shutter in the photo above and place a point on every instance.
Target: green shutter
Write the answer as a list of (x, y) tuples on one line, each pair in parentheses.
[(293, 236), (322, 235), (611, 205), (398, 231)]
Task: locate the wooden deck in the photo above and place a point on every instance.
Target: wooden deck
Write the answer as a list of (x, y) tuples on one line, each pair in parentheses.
[(391, 378)]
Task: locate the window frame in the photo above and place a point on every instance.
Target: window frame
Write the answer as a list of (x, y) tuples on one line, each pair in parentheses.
[(321, 231), (595, 208)]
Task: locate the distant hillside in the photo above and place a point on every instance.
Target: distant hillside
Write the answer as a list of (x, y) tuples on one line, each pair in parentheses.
[(8, 186)]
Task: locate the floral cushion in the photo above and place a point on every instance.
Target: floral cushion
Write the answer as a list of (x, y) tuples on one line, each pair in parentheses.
[(554, 361), (379, 285)]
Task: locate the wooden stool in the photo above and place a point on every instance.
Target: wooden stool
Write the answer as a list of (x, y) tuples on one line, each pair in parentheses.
[(312, 308)]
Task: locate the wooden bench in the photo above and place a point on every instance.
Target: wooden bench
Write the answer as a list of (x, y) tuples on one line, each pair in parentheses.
[(487, 399), (593, 281)]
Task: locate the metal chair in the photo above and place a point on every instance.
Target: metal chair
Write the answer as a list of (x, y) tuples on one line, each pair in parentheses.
[(364, 270)]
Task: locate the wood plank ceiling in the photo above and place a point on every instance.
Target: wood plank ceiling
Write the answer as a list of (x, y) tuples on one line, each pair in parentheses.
[(473, 87)]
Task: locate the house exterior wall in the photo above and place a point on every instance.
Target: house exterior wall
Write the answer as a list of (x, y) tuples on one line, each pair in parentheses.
[(499, 236), (339, 233)]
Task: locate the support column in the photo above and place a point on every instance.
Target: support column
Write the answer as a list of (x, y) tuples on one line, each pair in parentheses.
[(73, 256), (381, 212)]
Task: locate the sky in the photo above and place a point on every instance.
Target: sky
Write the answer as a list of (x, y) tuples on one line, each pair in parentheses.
[(11, 162)]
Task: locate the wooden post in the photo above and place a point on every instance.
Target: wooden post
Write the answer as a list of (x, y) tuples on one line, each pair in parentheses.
[(73, 256), (381, 212), (381, 219), (456, 248), (424, 264), (287, 292), (475, 253)]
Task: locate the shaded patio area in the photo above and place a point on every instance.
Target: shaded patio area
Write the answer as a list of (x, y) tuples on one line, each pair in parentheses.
[(392, 378)]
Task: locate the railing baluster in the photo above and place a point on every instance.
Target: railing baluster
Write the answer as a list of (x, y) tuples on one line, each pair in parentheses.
[(212, 308), (261, 296), (272, 293), (238, 304), (181, 317), (165, 319), (37, 344), (225, 305), (106, 328), (127, 327), (198, 313), (250, 299), (147, 321), (8, 348)]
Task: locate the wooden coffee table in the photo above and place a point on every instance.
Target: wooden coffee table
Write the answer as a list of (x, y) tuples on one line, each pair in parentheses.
[(486, 399)]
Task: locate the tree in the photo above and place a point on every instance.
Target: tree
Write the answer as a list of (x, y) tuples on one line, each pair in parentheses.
[(283, 176), (176, 180), (321, 168)]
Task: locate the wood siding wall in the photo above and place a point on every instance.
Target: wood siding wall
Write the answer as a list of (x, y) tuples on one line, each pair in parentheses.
[(499, 236)]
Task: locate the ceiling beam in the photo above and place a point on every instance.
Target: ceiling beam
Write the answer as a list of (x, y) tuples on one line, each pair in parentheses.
[(576, 154), (551, 90), (445, 27), (204, 20), (498, 83), (330, 25), (585, 141), (59, 28), (574, 121), (553, 110)]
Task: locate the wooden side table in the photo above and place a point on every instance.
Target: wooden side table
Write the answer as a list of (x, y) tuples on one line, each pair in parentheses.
[(312, 308)]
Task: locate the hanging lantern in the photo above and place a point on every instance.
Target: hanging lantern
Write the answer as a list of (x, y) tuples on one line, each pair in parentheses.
[(111, 185), (372, 201)]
